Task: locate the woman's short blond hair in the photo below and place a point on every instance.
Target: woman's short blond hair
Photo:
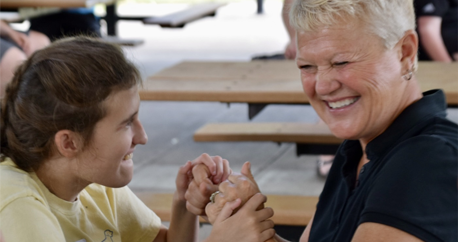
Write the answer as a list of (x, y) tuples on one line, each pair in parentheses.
[(389, 19)]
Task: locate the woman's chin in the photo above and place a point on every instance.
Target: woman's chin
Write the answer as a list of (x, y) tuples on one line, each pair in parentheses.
[(344, 133)]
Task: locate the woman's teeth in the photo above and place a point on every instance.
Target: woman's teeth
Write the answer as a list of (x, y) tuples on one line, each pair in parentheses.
[(343, 103), (129, 156)]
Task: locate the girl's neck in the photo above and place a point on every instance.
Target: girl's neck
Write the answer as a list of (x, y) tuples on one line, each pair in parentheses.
[(58, 176)]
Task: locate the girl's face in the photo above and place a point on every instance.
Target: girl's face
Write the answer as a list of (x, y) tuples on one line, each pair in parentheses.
[(107, 160)]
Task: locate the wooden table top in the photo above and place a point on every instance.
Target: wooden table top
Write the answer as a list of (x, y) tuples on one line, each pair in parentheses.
[(51, 3), (263, 82)]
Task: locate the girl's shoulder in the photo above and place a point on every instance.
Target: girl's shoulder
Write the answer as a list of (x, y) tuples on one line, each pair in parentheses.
[(16, 183)]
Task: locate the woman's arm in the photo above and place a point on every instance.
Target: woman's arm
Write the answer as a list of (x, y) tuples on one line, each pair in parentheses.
[(375, 232), (248, 224), (429, 28)]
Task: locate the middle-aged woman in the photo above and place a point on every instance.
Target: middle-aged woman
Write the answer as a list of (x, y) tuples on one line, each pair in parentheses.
[(394, 178)]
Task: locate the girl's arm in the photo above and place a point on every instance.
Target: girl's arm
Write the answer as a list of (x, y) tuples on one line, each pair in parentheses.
[(184, 225)]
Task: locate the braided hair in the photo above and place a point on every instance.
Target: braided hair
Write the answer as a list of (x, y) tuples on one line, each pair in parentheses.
[(60, 87)]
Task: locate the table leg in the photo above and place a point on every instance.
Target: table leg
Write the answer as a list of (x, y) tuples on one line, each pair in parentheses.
[(260, 9), (111, 18)]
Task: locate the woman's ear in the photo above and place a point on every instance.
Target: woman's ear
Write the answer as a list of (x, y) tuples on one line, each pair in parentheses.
[(67, 143), (407, 50)]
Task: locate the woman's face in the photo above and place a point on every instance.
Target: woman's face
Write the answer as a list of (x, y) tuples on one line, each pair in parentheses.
[(108, 158), (352, 81)]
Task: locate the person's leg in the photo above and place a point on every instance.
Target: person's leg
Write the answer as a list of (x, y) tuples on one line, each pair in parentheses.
[(37, 41), (12, 58)]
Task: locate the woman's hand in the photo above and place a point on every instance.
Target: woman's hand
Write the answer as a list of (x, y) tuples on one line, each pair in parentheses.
[(248, 224), (238, 186)]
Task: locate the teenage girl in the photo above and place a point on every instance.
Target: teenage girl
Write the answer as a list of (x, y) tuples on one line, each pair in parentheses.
[(69, 127)]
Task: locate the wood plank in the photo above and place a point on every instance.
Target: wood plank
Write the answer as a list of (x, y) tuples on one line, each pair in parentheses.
[(288, 210), (180, 18), (125, 42), (52, 3), (275, 132), (11, 16), (264, 82)]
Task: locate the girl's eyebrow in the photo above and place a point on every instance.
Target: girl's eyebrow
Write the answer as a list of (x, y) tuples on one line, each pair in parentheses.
[(129, 118)]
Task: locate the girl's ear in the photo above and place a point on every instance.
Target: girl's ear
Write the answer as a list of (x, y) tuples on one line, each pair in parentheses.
[(68, 143)]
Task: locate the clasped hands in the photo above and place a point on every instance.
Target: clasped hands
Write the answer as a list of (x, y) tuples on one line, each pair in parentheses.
[(238, 212)]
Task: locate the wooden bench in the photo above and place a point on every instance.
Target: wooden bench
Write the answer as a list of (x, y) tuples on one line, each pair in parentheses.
[(124, 42), (288, 210), (181, 18), (309, 138)]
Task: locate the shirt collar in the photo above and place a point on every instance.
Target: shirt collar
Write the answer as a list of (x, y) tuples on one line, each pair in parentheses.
[(431, 105)]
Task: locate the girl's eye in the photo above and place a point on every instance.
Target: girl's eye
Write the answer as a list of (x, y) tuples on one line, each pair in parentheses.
[(129, 123)]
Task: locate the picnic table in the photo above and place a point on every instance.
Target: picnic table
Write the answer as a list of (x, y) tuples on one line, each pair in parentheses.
[(174, 20), (264, 82), (261, 83), (52, 3)]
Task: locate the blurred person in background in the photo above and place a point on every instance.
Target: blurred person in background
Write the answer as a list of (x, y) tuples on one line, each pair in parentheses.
[(437, 27)]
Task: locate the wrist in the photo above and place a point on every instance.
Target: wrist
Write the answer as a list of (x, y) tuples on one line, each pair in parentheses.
[(179, 199)]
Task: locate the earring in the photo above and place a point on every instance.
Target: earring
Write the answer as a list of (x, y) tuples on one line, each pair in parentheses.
[(408, 76)]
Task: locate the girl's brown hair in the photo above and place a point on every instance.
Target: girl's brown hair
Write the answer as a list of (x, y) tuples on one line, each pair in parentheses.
[(60, 87)]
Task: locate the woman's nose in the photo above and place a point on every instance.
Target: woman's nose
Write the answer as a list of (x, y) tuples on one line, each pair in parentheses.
[(326, 82)]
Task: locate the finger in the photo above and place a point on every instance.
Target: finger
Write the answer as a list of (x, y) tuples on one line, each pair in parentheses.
[(182, 178), (253, 203), (200, 172), (223, 186), (197, 195), (266, 224), (208, 161), (193, 209), (264, 214), (227, 170), (246, 170), (226, 212), (267, 235), (219, 169)]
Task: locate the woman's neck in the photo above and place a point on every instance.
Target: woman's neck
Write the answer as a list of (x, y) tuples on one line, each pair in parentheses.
[(59, 177)]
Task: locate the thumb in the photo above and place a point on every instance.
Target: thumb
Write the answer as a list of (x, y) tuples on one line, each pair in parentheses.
[(227, 210), (246, 170)]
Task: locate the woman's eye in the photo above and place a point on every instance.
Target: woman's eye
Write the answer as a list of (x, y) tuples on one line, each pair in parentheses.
[(306, 67), (342, 63)]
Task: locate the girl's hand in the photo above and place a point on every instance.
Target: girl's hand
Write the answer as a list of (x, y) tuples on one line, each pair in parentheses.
[(196, 179)]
